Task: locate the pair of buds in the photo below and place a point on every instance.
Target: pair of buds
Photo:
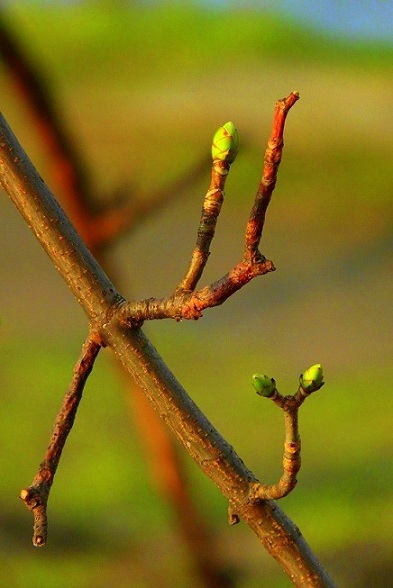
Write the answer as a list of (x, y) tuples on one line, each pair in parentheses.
[(310, 381)]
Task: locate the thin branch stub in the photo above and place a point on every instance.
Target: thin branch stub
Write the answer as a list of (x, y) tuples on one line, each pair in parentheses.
[(36, 495)]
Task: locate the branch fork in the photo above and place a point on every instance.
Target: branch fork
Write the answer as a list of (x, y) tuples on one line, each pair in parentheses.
[(186, 301), (310, 381)]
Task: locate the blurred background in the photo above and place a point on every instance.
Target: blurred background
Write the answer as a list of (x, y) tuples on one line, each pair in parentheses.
[(140, 88)]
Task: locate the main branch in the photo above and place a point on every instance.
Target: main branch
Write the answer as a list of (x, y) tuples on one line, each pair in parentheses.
[(103, 306)]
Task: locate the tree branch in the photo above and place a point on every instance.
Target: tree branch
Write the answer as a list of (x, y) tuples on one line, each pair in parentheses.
[(187, 303), (102, 304), (98, 226), (36, 495), (267, 184), (310, 381)]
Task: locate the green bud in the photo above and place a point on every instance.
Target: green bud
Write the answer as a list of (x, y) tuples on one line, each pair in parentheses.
[(312, 379), (264, 385), (225, 145)]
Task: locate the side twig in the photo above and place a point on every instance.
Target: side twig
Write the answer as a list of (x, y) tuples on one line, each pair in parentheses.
[(36, 495), (224, 150), (267, 184), (186, 303), (310, 381)]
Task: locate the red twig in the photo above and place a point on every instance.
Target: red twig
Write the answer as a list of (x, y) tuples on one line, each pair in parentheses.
[(267, 184)]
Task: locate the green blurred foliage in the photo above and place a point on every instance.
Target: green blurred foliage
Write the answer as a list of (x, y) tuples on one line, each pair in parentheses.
[(142, 91)]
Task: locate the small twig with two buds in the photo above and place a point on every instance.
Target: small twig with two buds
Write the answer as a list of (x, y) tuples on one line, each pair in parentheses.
[(310, 381)]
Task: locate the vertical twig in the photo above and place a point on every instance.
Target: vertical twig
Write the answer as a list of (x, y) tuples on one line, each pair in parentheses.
[(225, 148), (207, 226), (310, 381), (272, 160)]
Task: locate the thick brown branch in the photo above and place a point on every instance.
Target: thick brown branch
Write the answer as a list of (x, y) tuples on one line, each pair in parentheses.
[(269, 176), (36, 495), (99, 228), (214, 455), (101, 303)]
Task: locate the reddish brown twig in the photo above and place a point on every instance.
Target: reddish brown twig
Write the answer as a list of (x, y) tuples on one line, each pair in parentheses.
[(188, 304), (36, 495), (291, 459), (267, 184)]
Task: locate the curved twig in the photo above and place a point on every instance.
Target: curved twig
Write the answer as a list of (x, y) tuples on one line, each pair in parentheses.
[(310, 381)]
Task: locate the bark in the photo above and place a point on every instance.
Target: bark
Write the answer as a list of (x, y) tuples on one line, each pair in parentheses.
[(102, 305)]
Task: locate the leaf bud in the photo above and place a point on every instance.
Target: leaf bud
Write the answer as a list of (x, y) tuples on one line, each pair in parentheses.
[(264, 385), (312, 379), (225, 145)]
